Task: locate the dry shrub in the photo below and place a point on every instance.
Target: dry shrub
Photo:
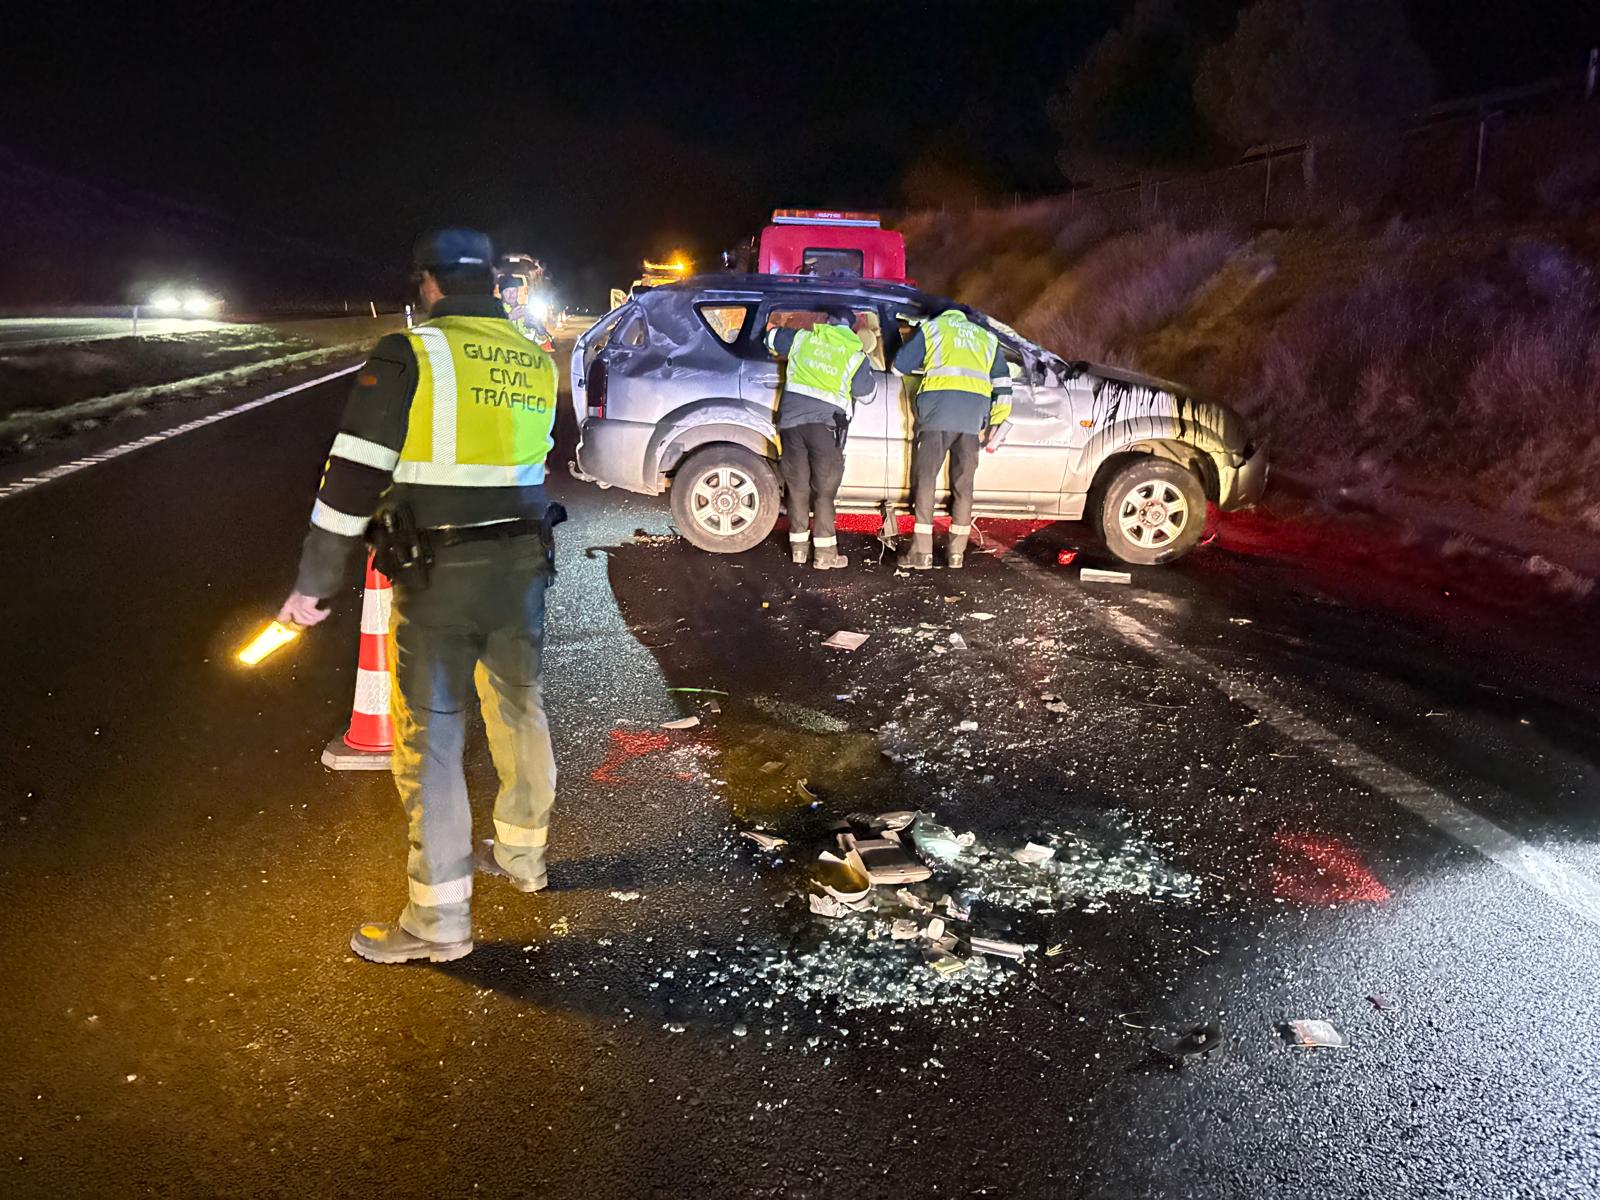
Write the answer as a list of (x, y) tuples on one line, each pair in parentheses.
[(1125, 287), (1458, 374)]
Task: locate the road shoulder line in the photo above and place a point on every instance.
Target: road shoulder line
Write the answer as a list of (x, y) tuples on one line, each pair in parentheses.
[(61, 470), (1575, 891)]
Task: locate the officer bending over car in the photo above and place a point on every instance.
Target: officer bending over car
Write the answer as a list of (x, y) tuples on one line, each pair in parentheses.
[(828, 371), (965, 393)]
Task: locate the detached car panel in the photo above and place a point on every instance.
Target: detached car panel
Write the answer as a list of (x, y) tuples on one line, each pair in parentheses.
[(675, 389)]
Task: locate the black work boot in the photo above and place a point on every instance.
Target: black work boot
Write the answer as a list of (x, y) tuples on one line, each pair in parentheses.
[(920, 555), (828, 558)]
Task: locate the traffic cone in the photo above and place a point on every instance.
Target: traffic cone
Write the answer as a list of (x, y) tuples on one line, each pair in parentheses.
[(367, 743)]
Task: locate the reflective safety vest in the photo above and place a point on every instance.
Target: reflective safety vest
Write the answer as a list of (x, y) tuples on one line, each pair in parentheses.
[(958, 356), (822, 363), (484, 408)]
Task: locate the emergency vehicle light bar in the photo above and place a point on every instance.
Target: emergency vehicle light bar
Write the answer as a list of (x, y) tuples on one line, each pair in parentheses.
[(813, 216)]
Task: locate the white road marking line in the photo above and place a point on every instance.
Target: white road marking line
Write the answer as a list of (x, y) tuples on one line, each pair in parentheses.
[(1572, 889), (30, 482)]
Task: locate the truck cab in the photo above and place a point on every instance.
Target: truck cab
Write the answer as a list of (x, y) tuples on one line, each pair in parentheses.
[(831, 244)]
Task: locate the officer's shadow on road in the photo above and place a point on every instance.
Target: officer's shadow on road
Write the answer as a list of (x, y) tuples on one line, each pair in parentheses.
[(623, 977), (646, 867)]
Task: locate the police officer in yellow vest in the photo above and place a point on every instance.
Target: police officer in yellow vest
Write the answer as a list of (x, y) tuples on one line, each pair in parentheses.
[(965, 392), (828, 371), (446, 433)]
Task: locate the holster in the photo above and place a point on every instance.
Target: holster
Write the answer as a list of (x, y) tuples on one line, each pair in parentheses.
[(399, 548), (554, 514), (841, 429)]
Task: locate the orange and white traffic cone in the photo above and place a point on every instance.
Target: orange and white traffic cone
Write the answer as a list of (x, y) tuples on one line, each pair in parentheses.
[(367, 743)]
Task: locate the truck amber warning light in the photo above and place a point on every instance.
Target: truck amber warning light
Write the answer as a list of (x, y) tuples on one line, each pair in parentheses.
[(269, 641)]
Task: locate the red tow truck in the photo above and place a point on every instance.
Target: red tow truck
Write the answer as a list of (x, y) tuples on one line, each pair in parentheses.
[(828, 243)]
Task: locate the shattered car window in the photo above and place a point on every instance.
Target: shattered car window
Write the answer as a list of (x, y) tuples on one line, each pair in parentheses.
[(630, 332), (727, 321)]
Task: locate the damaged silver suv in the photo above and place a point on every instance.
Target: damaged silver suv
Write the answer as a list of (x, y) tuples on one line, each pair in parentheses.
[(675, 389)]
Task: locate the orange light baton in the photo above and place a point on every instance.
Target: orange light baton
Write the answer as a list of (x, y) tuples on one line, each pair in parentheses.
[(269, 641)]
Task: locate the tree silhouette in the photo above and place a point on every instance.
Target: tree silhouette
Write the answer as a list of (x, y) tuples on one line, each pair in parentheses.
[(1313, 69), (1131, 105)]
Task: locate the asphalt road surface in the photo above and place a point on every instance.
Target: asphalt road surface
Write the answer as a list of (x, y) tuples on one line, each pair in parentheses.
[(1277, 787), (26, 331)]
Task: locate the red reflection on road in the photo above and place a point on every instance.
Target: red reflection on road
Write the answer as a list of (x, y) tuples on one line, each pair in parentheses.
[(988, 533), (1322, 872), (628, 744)]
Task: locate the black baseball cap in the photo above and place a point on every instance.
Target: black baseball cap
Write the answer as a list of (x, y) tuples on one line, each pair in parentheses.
[(453, 248)]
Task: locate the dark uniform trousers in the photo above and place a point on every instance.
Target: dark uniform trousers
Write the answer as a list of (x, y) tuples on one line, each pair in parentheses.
[(478, 626), (812, 463), (927, 458)]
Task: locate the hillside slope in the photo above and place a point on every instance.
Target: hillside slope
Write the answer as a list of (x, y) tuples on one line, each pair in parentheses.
[(1447, 367)]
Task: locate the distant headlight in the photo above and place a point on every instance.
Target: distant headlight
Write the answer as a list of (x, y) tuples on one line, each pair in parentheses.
[(166, 302), (198, 304)]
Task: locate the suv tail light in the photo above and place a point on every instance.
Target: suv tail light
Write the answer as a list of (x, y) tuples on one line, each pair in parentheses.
[(595, 390)]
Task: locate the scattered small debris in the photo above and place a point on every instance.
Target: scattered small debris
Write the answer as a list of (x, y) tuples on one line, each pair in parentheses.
[(1000, 949), (1197, 1042), (1240, 621), (833, 907), (1057, 950), (1312, 1035), (959, 642), (625, 896), (1095, 575), (681, 723), (561, 927), (1065, 558), (805, 792), (699, 690), (809, 719), (981, 616), (884, 858), (844, 639), (967, 727), (1034, 855), (771, 768), (767, 841)]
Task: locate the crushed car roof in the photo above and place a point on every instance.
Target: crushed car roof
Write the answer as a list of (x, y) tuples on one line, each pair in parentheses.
[(675, 298)]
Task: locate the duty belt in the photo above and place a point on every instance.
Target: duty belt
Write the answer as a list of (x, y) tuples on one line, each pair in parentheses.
[(455, 535)]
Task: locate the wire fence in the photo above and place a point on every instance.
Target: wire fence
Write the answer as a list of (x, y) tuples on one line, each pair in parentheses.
[(1530, 146)]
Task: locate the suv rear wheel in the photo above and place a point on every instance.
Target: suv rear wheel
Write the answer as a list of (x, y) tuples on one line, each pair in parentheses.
[(725, 499), (1151, 511)]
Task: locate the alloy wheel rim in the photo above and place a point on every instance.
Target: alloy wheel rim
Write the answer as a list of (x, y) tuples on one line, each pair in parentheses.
[(1153, 514), (725, 501)]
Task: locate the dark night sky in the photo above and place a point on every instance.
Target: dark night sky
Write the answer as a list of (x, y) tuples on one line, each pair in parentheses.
[(594, 133)]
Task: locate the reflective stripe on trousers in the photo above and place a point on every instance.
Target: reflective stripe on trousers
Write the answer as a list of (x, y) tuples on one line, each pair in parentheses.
[(477, 627)]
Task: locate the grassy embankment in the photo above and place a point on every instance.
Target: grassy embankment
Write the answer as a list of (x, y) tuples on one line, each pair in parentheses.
[(1446, 367)]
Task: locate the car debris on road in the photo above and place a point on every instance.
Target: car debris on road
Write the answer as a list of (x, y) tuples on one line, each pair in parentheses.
[(846, 640), (1314, 1034)]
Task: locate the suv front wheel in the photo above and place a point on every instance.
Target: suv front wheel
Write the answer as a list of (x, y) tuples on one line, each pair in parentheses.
[(725, 499), (1151, 511)]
